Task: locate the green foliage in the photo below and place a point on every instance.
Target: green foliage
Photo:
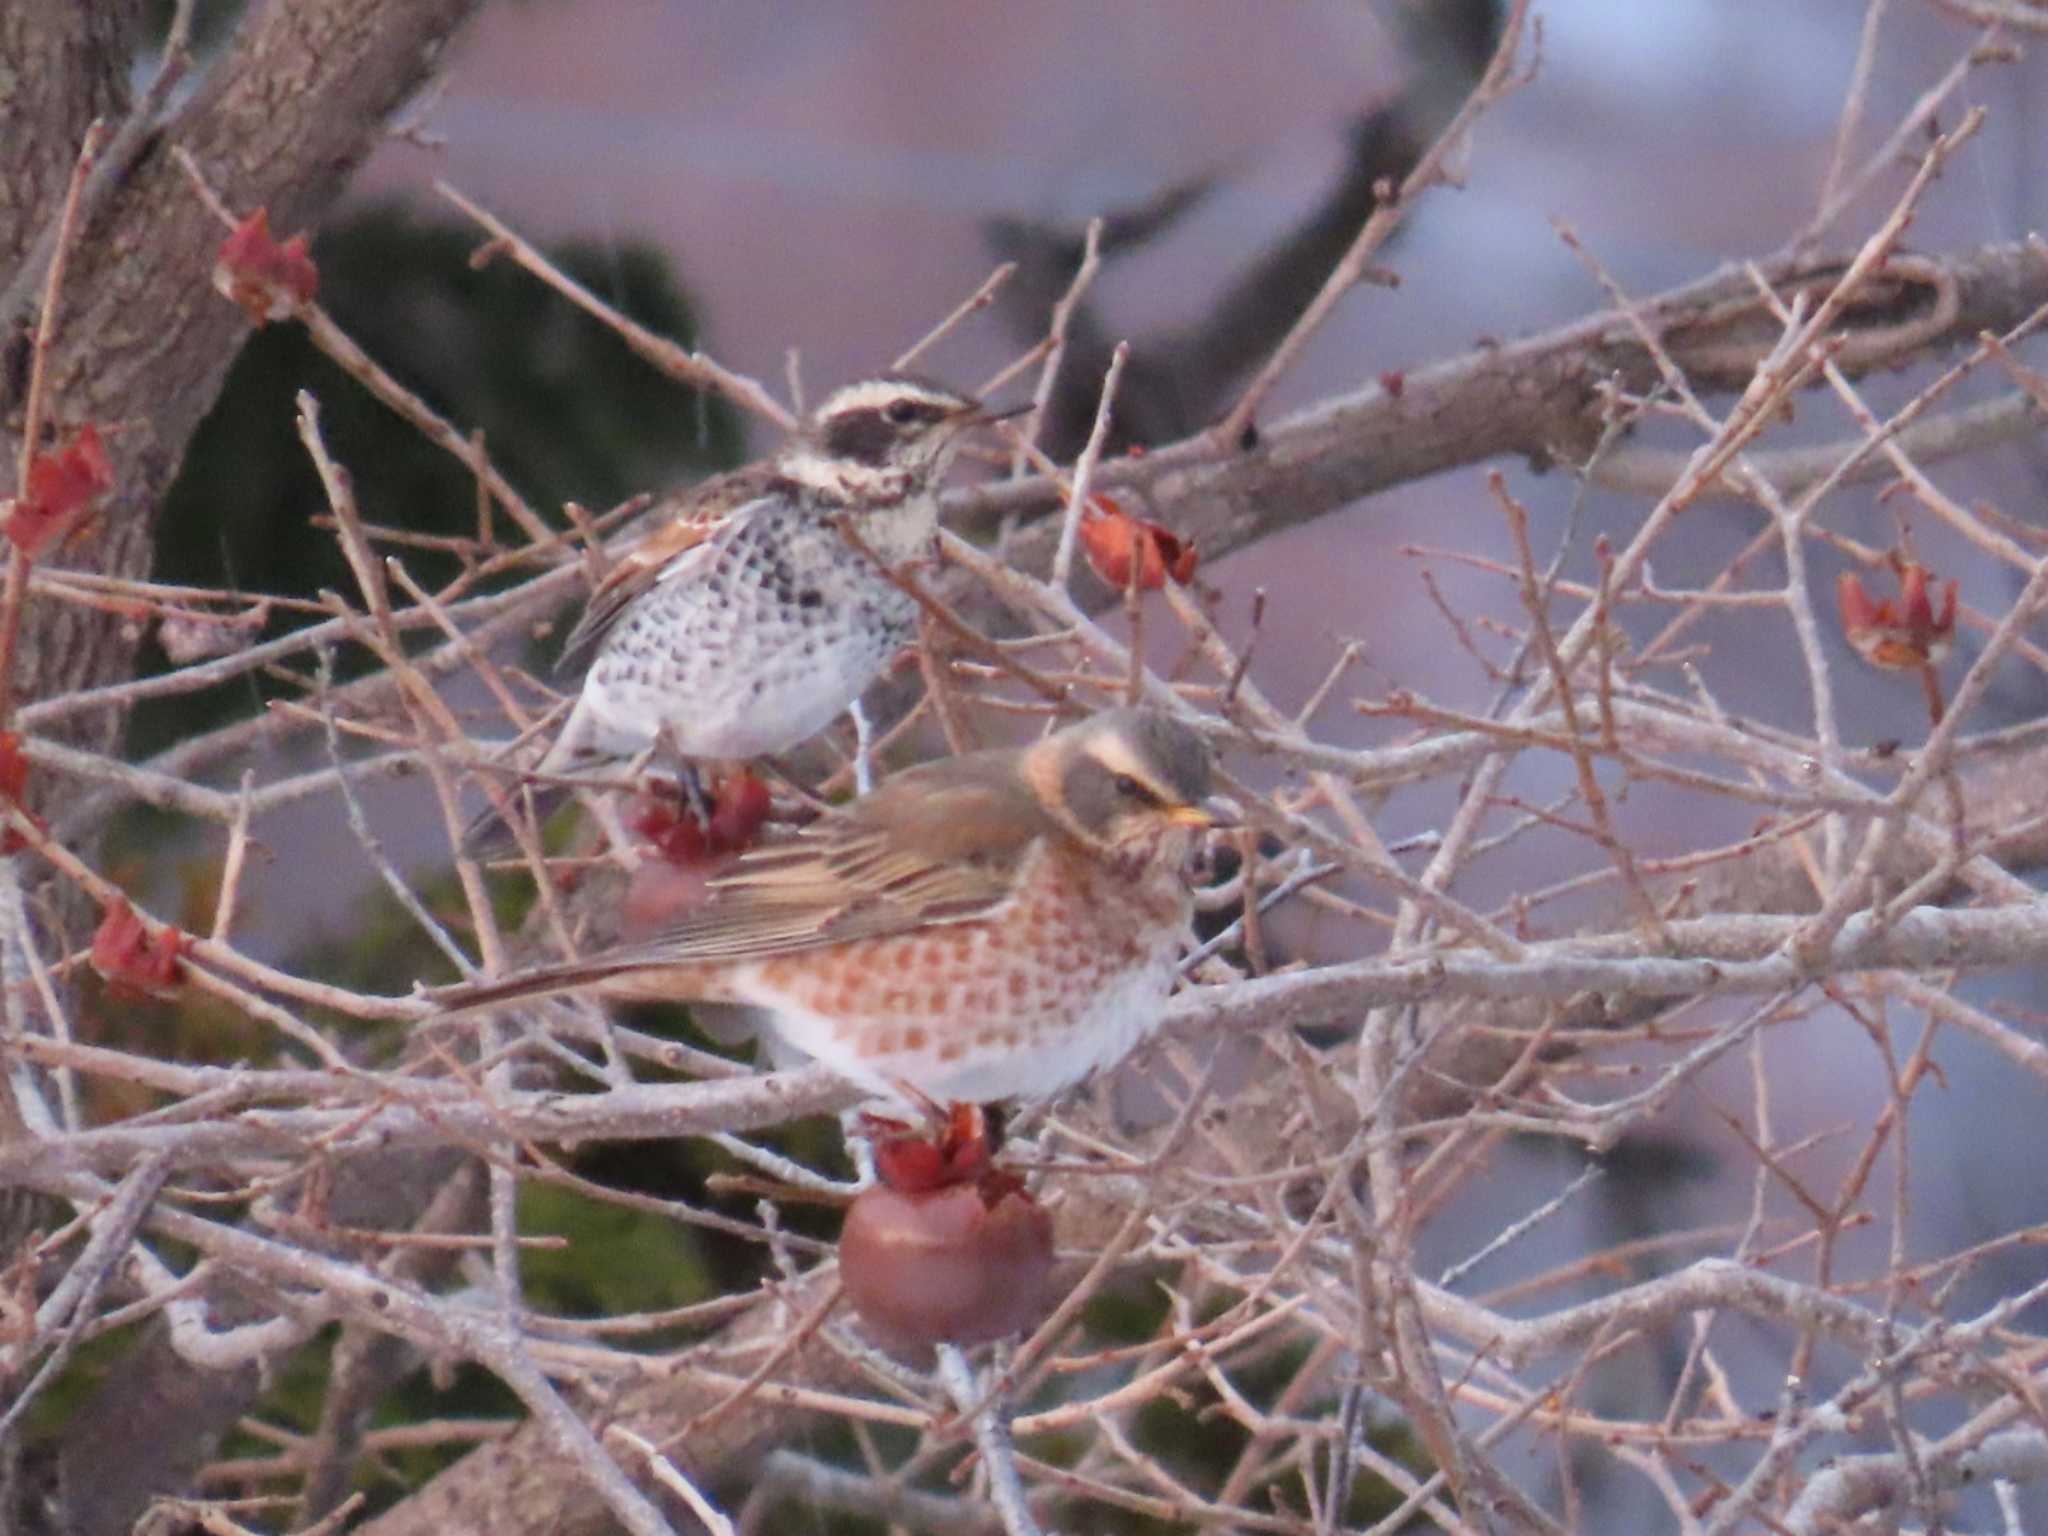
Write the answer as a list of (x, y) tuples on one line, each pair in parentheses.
[(1127, 1310), (50, 1414), (617, 1260)]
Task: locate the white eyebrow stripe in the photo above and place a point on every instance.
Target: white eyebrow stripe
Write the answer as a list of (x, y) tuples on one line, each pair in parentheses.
[(873, 394), (1117, 757)]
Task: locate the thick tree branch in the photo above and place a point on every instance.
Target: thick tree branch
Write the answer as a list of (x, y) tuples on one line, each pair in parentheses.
[(1540, 398)]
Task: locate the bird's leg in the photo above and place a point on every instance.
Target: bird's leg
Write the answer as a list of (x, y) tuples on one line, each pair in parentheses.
[(689, 778), (863, 749)]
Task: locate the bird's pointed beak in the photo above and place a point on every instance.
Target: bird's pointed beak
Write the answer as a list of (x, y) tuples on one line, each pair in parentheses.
[(984, 415), (1217, 813)]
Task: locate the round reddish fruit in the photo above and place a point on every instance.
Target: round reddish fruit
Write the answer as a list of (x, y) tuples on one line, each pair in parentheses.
[(959, 1265)]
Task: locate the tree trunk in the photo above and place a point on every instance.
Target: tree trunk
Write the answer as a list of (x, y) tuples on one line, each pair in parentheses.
[(287, 111), (293, 105)]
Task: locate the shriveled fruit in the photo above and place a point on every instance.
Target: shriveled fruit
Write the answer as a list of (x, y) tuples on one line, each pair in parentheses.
[(961, 1264)]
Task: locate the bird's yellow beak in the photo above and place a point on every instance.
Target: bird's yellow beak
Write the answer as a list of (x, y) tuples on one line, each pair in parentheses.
[(1213, 812)]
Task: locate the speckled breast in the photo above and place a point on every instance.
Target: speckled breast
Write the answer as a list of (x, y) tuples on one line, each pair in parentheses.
[(1063, 981), (759, 646)]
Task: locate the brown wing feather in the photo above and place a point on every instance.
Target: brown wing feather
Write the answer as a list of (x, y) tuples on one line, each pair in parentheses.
[(937, 844), (942, 843), (691, 519)]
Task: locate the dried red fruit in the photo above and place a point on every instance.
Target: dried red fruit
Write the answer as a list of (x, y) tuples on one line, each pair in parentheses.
[(662, 891), (1113, 539), (743, 803), (267, 279), (945, 1247), (961, 1264), (962, 1152), (13, 768), (131, 960), (737, 805), (63, 486), (1911, 635), (1393, 382), (14, 788)]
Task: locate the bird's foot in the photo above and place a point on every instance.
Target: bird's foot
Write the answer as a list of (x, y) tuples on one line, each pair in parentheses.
[(692, 823)]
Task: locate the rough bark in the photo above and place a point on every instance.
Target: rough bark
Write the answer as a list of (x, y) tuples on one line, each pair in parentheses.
[(284, 116), (294, 103), (60, 67), (1536, 398)]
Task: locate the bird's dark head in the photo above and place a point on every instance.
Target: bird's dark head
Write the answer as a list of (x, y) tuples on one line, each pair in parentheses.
[(883, 436)]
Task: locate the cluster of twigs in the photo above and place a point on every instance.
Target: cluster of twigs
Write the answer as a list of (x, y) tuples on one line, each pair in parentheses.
[(1391, 1027)]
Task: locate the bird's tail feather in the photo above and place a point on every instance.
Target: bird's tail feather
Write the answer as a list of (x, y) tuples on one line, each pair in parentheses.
[(579, 749), (546, 981)]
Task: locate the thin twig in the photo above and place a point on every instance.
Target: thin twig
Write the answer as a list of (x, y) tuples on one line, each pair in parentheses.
[(975, 302), (18, 558), (1055, 344), (691, 367), (1084, 469), (992, 1438), (1388, 211)]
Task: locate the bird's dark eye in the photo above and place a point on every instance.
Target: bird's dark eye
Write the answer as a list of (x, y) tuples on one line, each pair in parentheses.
[(902, 412), (1131, 789)]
